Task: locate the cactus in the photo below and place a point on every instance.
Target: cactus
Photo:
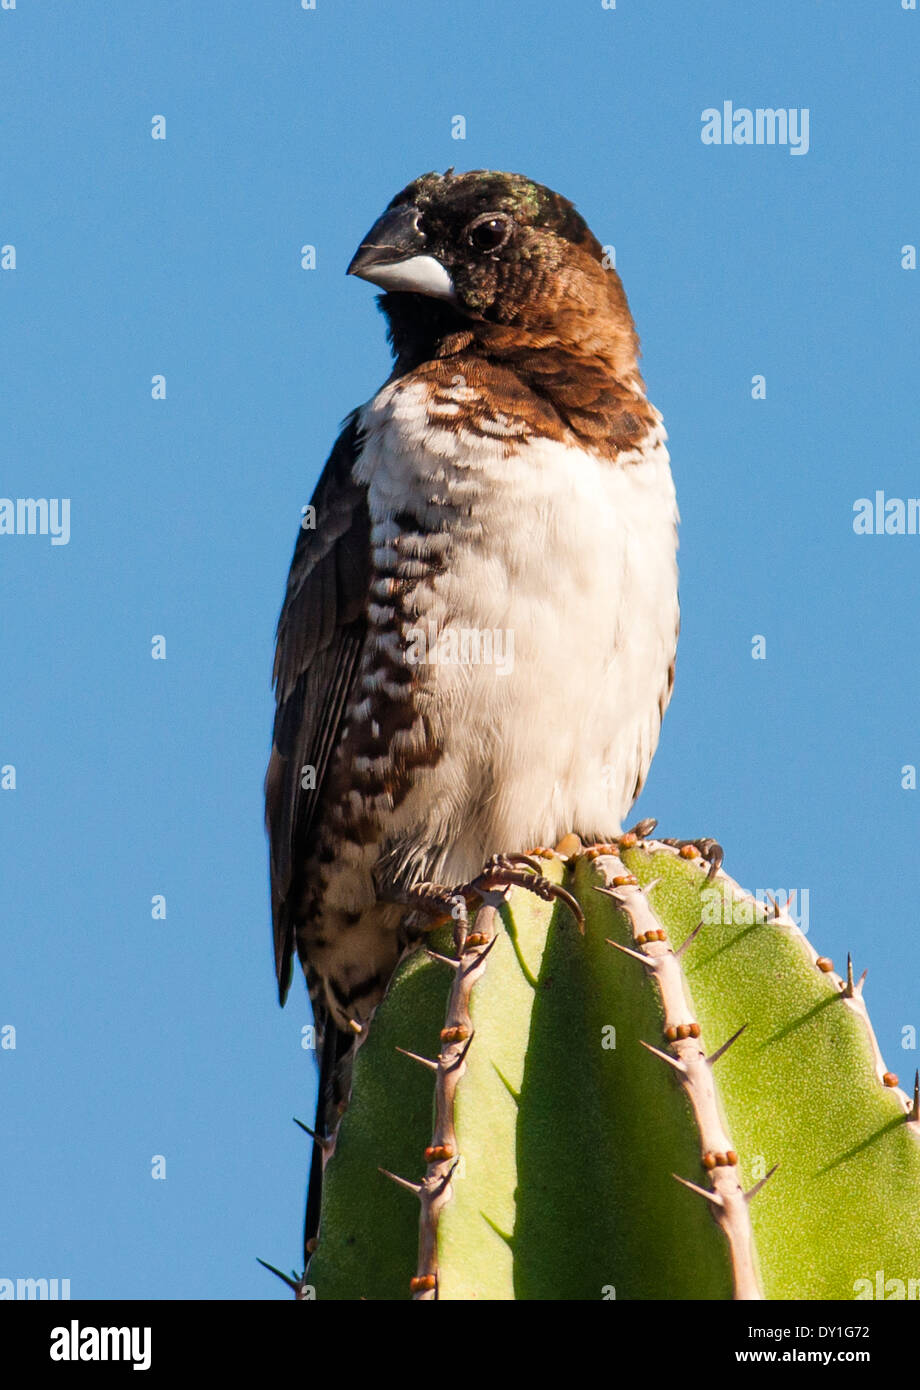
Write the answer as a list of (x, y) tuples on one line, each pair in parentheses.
[(680, 1101)]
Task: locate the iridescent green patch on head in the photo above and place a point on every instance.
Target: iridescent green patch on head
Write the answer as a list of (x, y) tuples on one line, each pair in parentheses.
[(502, 239), (460, 197)]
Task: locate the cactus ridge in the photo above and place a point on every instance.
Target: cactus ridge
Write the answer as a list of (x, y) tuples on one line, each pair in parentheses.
[(442, 1153), (693, 1066), (840, 1110), (849, 989)]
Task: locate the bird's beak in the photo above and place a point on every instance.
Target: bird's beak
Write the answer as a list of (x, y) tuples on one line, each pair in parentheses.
[(393, 256)]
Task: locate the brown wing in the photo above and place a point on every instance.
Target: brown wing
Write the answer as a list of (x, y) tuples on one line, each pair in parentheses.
[(320, 636)]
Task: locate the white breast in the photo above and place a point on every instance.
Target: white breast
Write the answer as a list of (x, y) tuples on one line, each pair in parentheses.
[(568, 562)]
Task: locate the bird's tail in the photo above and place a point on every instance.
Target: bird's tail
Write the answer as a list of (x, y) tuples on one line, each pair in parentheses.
[(336, 1057)]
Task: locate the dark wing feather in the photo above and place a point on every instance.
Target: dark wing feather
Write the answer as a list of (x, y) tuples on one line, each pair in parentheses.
[(321, 634)]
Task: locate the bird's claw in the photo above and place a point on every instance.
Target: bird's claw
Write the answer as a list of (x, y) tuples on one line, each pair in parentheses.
[(707, 849), (627, 840), (504, 871), (500, 873)]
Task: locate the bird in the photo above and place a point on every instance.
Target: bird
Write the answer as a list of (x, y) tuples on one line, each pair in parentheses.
[(477, 643)]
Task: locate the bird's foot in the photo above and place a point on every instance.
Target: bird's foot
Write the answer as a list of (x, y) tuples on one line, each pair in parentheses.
[(505, 871), (500, 874), (703, 848), (627, 840), (710, 850)]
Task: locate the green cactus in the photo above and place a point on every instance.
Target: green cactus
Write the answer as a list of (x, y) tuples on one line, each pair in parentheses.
[(596, 1114)]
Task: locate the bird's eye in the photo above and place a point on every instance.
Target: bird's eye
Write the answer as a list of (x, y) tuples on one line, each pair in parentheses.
[(489, 232)]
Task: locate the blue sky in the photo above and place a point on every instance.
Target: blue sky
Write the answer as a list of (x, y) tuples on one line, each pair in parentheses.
[(136, 257)]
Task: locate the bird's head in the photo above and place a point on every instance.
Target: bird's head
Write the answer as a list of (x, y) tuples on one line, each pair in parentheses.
[(464, 250)]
